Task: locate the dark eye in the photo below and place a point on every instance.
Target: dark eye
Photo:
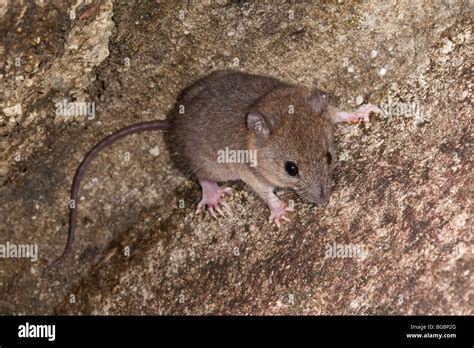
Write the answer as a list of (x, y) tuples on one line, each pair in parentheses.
[(329, 157), (291, 168)]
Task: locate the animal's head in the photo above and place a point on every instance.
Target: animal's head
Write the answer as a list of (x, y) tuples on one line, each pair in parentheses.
[(294, 141)]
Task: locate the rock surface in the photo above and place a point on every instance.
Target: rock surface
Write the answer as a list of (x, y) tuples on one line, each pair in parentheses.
[(403, 186)]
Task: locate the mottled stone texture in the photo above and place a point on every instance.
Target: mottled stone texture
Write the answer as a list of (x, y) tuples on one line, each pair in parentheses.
[(403, 186)]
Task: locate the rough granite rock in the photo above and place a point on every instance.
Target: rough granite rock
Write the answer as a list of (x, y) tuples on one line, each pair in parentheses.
[(403, 187)]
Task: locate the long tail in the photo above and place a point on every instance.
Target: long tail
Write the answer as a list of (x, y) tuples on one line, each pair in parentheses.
[(136, 128)]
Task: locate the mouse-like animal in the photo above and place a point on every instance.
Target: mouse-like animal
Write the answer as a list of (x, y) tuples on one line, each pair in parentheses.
[(286, 130)]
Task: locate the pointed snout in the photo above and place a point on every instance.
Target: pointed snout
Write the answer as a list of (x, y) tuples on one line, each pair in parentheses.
[(319, 194)]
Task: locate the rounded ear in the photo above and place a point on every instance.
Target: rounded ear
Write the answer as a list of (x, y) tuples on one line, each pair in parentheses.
[(318, 101), (261, 125)]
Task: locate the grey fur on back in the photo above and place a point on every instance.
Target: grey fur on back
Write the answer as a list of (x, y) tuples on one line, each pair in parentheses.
[(215, 110)]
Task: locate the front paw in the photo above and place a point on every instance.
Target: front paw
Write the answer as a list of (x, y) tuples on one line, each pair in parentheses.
[(214, 202), (278, 213)]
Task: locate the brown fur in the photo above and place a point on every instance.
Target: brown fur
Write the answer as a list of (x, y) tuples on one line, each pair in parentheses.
[(215, 117)]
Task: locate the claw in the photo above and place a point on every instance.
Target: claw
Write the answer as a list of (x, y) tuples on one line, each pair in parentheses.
[(219, 210), (212, 212), (225, 206), (199, 209)]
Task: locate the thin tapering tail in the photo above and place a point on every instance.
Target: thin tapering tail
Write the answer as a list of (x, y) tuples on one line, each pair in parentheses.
[(136, 128)]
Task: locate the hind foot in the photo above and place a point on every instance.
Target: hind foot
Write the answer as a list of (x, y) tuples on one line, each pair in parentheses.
[(361, 114)]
